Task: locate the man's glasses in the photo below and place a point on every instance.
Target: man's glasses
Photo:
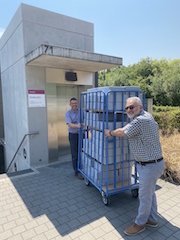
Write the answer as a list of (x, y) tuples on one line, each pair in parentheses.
[(130, 107)]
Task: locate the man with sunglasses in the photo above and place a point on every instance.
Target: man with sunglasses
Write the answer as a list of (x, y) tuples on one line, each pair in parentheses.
[(143, 136)]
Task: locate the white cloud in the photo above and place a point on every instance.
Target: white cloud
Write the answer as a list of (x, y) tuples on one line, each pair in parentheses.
[(1, 32)]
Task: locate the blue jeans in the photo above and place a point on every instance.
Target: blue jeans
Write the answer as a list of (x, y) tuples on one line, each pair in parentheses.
[(73, 139), (148, 176)]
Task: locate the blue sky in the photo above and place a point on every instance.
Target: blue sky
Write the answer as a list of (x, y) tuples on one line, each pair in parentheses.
[(131, 29)]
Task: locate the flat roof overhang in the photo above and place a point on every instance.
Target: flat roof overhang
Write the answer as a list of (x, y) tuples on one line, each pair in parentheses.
[(70, 59)]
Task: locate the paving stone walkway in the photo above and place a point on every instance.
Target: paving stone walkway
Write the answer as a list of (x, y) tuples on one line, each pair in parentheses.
[(51, 203)]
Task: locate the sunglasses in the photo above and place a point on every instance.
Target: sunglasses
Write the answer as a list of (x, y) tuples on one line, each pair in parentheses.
[(130, 107)]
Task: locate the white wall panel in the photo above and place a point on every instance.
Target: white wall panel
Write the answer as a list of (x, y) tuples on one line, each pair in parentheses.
[(58, 76)]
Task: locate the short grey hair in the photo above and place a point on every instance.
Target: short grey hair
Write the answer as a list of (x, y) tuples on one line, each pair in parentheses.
[(138, 100)]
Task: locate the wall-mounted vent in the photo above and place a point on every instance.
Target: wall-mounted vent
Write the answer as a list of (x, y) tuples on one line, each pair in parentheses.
[(71, 76)]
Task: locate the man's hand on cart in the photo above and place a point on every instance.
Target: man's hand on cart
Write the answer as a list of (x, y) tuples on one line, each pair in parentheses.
[(119, 132), (78, 125), (107, 133)]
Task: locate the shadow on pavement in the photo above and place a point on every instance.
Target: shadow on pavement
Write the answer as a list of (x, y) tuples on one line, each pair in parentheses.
[(70, 205)]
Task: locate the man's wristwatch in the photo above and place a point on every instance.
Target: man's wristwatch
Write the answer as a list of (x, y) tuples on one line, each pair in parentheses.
[(110, 133)]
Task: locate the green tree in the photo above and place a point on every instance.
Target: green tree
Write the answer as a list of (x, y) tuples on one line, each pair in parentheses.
[(172, 80), (158, 90), (159, 80)]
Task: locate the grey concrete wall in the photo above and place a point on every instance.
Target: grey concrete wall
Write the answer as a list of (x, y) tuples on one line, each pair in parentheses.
[(13, 49), (29, 28), (13, 25), (14, 90), (37, 118), (1, 113), (42, 26), (15, 111)]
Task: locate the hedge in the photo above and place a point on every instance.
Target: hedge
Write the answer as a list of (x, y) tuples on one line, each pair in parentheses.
[(167, 117)]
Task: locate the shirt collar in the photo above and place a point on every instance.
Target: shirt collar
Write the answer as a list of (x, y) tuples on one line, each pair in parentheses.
[(75, 112), (141, 113)]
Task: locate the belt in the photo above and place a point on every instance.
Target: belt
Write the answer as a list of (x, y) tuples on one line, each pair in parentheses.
[(152, 161)]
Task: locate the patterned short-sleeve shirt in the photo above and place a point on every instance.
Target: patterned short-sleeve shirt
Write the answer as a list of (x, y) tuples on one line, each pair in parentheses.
[(143, 136)]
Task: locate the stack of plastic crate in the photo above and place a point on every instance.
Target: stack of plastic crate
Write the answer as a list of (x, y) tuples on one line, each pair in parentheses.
[(106, 159)]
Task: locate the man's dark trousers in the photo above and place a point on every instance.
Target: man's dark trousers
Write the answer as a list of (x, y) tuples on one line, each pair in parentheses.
[(73, 139)]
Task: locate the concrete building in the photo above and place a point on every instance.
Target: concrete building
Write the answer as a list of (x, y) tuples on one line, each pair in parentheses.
[(40, 54)]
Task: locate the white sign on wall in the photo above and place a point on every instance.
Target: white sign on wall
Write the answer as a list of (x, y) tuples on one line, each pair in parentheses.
[(36, 98)]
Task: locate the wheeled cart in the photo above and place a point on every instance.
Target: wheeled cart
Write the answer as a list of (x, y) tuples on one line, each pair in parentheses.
[(107, 163)]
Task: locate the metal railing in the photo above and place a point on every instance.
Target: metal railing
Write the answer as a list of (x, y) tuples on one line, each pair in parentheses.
[(2, 142), (28, 134)]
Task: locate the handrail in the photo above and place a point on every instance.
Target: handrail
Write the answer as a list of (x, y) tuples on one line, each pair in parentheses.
[(27, 134), (2, 142)]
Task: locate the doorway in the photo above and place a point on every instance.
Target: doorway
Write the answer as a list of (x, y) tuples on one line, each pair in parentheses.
[(58, 97)]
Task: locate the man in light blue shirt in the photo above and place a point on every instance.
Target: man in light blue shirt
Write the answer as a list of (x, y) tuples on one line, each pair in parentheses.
[(72, 118), (143, 136)]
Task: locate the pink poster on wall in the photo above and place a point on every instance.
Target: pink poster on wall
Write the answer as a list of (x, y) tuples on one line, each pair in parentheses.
[(36, 98)]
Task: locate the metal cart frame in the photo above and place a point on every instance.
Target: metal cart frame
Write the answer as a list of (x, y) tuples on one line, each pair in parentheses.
[(110, 170)]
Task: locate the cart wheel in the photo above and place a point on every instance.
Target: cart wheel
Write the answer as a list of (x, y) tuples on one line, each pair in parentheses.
[(134, 192), (106, 200), (86, 181)]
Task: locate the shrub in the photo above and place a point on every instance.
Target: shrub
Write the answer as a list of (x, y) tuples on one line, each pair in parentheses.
[(168, 118)]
